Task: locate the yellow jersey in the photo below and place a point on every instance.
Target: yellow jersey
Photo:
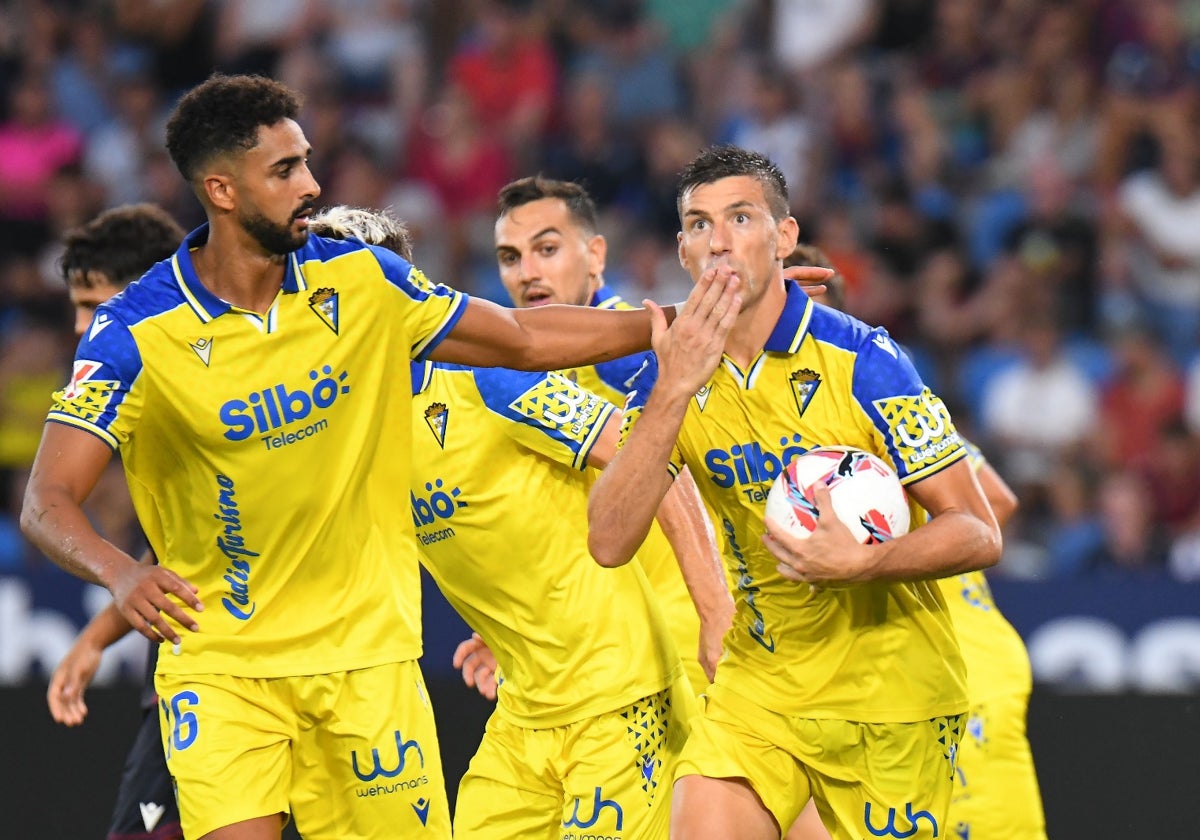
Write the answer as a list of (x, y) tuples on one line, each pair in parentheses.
[(876, 652), (262, 455), (612, 380), (997, 661), (499, 501)]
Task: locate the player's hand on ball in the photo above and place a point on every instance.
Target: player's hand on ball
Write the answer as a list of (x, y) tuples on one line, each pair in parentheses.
[(829, 557), (145, 594), (478, 665)]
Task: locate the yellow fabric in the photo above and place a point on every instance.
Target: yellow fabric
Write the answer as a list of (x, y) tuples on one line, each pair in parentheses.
[(607, 776), (877, 652), (996, 791), (655, 554), (862, 776), (263, 455), (240, 748), (499, 500)]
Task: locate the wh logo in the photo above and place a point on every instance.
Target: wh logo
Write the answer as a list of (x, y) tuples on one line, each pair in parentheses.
[(889, 829), (598, 805), (377, 769)]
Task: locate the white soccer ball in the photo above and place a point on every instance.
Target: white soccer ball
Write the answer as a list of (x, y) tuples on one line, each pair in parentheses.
[(867, 495)]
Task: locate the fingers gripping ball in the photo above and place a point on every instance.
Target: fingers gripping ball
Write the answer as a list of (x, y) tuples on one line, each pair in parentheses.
[(867, 495)]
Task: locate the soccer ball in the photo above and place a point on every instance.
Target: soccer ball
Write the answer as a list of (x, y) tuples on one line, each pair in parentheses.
[(867, 495)]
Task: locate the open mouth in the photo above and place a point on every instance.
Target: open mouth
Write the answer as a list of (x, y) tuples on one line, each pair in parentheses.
[(538, 298)]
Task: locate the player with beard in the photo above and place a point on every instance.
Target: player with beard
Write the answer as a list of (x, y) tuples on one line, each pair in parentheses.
[(252, 383)]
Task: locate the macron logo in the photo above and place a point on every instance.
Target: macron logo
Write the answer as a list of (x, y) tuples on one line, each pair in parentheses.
[(151, 813), (885, 345), (98, 324), (421, 809)]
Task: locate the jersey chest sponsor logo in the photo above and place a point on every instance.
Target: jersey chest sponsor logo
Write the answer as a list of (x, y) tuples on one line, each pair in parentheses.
[(752, 462), (282, 405), (432, 510)]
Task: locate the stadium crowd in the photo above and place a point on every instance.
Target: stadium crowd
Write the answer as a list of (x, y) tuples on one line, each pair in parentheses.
[(1011, 187)]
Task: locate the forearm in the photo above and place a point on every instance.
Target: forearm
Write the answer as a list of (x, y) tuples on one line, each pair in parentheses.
[(628, 493), (949, 544), (55, 523), (685, 523), (570, 336)]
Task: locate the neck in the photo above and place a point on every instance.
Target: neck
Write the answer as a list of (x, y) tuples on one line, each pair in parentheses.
[(235, 268), (756, 322)]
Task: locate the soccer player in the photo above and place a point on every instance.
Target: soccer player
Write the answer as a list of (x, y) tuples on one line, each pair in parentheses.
[(594, 707), (996, 793), (842, 678), (549, 250), (100, 259), (252, 383)]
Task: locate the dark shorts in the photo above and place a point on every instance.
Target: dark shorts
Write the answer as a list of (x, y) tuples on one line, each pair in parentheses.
[(146, 808)]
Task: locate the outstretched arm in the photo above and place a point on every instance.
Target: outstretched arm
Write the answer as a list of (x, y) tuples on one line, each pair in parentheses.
[(544, 338), (68, 463)]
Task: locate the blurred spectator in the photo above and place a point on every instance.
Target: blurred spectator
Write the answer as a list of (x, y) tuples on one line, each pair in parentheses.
[(589, 151), (630, 58), (508, 72), (118, 152), (1134, 543), (1042, 409), (1150, 83), (1157, 253), (34, 144), (253, 37), (1143, 397), (809, 33), (177, 38), (464, 167), (1056, 247), (1072, 531), (82, 74), (773, 124)]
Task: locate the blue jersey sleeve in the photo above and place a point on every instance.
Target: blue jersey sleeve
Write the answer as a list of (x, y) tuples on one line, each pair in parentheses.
[(547, 412), (914, 423), (97, 399)]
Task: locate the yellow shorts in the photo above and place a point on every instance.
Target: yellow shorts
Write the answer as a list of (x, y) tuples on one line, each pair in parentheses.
[(996, 794), (604, 777), (868, 779), (351, 754)]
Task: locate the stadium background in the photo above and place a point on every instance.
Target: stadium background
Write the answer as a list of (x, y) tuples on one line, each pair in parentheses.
[(1012, 187)]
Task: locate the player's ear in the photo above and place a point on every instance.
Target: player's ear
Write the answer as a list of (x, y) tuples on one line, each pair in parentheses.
[(597, 250), (789, 235), (219, 190), (682, 256)]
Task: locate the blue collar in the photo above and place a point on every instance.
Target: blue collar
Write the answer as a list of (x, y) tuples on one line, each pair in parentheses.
[(792, 326), (206, 305)]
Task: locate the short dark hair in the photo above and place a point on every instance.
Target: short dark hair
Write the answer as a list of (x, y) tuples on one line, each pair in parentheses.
[(222, 115), (835, 286), (534, 188), (121, 243), (717, 162)]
